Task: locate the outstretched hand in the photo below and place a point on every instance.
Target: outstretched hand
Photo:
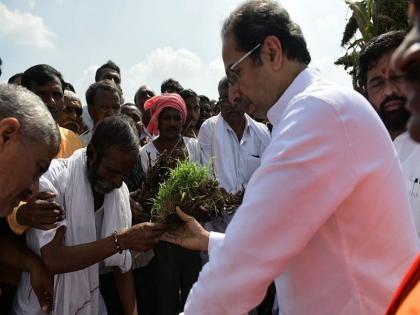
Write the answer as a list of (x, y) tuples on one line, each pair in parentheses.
[(190, 235)]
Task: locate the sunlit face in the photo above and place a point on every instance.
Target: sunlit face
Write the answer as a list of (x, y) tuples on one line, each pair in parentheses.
[(170, 124), (252, 77), (52, 95), (72, 113), (107, 173), (106, 103), (20, 168), (386, 92)]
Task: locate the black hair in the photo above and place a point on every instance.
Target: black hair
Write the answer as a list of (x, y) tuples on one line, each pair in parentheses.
[(374, 50), (171, 86), (68, 86), (108, 65), (254, 20), (188, 93), (114, 131), (14, 77), (223, 84), (41, 74), (105, 85), (204, 99)]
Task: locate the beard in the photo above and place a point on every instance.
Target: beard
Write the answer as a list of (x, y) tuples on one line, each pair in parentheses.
[(99, 185), (395, 120)]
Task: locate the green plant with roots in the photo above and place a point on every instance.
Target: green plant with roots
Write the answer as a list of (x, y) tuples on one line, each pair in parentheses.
[(196, 192)]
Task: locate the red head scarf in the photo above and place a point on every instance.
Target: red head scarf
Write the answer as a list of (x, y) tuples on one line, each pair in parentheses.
[(158, 103)]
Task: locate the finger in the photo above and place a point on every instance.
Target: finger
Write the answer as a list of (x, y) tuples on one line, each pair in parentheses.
[(182, 215), (45, 195), (48, 204)]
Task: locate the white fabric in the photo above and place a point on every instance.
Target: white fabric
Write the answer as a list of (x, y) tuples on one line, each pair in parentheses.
[(86, 136), (409, 154), (325, 215), (192, 145), (79, 290), (234, 161)]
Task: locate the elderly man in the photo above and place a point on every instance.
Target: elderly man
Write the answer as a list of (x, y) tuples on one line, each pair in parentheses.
[(29, 139), (96, 232), (329, 189), (72, 112)]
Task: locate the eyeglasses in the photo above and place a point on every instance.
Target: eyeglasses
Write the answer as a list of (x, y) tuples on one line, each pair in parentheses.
[(232, 76)]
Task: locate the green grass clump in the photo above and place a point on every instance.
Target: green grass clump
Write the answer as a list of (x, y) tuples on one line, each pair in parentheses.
[(195, 191)]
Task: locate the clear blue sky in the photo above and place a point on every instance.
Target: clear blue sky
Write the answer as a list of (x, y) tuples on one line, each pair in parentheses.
[(149, 40)]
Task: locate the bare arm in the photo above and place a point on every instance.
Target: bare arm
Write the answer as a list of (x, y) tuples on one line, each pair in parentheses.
[(126, 291), (59, 258)]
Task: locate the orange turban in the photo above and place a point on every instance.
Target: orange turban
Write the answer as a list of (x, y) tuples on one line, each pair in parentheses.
[(158, 103)]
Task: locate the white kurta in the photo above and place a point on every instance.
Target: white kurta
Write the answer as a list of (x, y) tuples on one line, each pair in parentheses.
[(191, 144), (325, 215), (234, 161), (78, 291), (409, 154)]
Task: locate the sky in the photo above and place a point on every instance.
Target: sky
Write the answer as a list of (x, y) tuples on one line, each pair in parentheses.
[(149, 40)]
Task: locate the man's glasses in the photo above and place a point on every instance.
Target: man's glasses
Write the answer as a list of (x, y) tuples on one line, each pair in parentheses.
[(232, 76)]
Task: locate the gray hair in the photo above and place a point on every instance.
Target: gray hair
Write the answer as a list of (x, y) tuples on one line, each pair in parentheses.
[(36, 122)]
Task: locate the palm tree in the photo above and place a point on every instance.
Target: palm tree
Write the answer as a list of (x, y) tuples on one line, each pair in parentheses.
[(369, 19)]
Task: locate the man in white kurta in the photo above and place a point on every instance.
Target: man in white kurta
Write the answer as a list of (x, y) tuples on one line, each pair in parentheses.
[(333, 227), (232, 143)]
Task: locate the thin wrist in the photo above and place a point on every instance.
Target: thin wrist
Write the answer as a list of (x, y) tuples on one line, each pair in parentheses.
[(121, 240)]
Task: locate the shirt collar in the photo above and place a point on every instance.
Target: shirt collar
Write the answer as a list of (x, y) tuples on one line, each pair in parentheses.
[(299, 84)]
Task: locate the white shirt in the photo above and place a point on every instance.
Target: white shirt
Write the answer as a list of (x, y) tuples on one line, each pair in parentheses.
[(409, 154), (220, 144), (325, 215), (192, 145)]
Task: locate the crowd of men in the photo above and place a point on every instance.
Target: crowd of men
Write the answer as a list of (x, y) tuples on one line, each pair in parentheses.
[(330, 219)]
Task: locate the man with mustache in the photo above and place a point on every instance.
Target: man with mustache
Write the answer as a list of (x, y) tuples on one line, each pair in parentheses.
[(233, 143), (385, 89), (97, 232), (382, 86), (29, 139)]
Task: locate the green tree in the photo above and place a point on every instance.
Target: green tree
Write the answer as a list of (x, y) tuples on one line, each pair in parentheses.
[(369, 19)]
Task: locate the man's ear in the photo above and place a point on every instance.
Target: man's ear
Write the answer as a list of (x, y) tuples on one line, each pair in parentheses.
[(9, 128), (273, 48)]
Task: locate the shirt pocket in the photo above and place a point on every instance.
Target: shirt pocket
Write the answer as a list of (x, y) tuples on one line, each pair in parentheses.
[(252, 163)]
